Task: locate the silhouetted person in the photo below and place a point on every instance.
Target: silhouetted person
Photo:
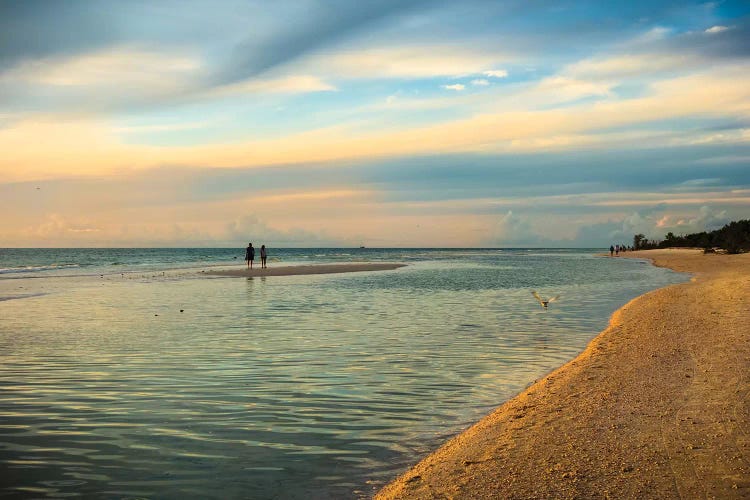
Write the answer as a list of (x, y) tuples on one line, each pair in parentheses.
[(263, 256), (250, 255), (611, 250)]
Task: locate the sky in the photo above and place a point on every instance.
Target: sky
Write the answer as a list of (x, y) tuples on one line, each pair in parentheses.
[(388, 123)]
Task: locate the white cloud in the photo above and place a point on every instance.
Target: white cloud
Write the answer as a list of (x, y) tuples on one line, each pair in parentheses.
[(512, 229), (725, 159), (334, 194), (403, 62), (699, 183), (707, 219), (65, 231), (115, 68), (629, 65), (456, 86), (571, 88), (481, 82), (496, 73), (57, 227), (293, 84), (160, 127), (727, 137), (655, 224), (251, 227), (716, 29), (654, 34)]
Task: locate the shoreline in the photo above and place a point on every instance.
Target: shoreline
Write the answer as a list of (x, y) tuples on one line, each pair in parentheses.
[(656, 405), (304, 269)]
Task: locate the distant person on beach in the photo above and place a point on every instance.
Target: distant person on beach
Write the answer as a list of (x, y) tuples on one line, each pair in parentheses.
[(263, 256), (617, 250), (250, 255), (611, 250)]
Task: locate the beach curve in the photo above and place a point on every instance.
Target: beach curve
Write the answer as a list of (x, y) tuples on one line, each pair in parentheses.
[(656, 405)]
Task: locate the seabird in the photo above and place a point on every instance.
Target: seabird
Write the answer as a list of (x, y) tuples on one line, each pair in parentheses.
[(544, 303)]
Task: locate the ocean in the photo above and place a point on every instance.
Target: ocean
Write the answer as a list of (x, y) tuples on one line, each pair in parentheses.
[(130, 373)]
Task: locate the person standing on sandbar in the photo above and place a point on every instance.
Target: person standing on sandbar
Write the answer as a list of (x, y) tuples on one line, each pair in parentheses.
[(263, 256), (250, 255)]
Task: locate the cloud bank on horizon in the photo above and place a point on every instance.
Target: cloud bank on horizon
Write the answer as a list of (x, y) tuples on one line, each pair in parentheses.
[(385, 123)]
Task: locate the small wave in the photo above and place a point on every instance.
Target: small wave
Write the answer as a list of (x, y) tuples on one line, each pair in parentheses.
[(33, 269)]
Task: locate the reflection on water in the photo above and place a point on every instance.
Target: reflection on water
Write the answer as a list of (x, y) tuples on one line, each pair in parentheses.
[(289, 387)]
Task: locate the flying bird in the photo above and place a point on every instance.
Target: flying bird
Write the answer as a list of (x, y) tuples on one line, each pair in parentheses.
[(544, 303)]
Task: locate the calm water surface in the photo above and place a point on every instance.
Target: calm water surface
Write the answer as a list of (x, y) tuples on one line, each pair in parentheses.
[(286, 387)]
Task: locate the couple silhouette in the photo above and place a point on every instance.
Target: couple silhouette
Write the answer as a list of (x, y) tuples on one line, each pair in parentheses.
[(250, 256)]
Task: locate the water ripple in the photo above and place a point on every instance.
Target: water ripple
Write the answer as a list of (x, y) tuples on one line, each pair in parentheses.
[(303, 387)]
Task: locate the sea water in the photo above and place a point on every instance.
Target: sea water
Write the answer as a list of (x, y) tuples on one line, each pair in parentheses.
[(131, 373)]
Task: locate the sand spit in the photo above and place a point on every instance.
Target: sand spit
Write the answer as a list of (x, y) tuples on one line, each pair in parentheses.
[(655, 407), (306, 269)]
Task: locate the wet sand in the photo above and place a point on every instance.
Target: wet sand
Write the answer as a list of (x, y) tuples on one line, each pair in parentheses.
[(306, 269), (655, 407)]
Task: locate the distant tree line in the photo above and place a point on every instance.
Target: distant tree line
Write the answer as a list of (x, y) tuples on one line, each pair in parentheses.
[(734, 238)]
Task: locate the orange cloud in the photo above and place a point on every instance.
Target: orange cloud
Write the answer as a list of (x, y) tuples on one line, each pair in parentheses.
[(39, 148)]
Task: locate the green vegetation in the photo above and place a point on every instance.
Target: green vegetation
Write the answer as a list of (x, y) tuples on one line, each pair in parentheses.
[(734, 238)]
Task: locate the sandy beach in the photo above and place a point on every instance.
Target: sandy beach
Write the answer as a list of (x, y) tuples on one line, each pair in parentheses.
[(656, 406), (306, 269)]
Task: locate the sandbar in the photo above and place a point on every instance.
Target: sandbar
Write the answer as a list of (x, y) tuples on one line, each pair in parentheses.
[(305, 269), (655, 407)]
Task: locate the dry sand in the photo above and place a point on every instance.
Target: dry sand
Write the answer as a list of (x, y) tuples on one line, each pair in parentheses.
[(655, 407), (306, 269)]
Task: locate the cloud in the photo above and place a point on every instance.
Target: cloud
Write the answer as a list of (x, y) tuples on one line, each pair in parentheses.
[(725, 159), (37, 29), (59, 230), (456, 86), (699, 48), (118, 77), (56, 227), (287, 197), (459, 198), (618, 67), (120, 67), (161, 127), (652, 35), (481, 82), (91, 146), (311, 30), (293, 84), (511, 229), (569, 88), (125, 78), (716, 29), (407, 61), (707, 219), (496, 73), (250, 227), (663, 51), (71, 46), (654, 224)]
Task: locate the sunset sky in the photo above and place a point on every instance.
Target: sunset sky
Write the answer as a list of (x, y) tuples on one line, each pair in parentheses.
[(380, 123)]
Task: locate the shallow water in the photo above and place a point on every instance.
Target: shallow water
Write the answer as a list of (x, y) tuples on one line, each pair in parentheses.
[(287, 387)]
